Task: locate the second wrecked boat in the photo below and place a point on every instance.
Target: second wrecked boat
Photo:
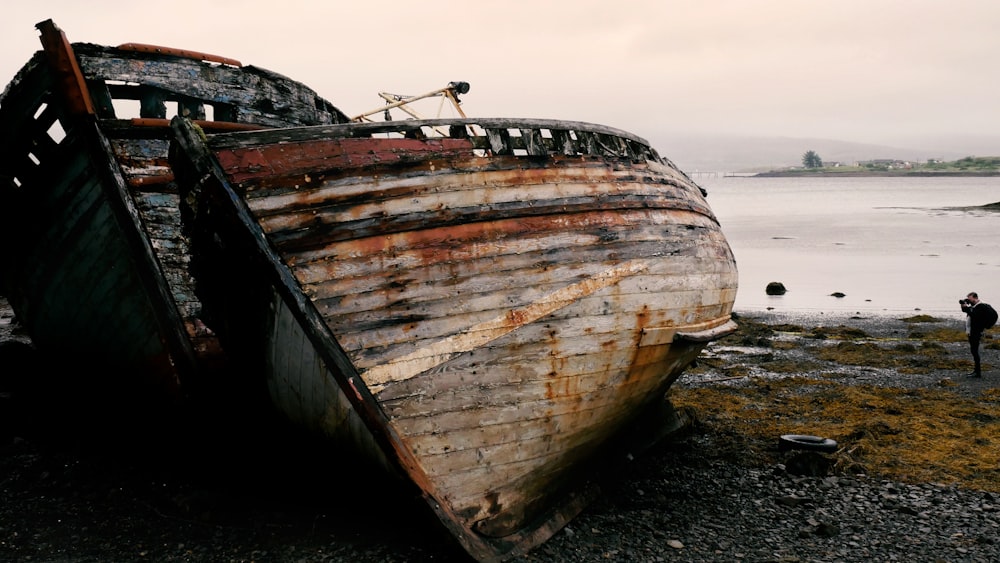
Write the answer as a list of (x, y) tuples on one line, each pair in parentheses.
[(481, 305), (92, 257)]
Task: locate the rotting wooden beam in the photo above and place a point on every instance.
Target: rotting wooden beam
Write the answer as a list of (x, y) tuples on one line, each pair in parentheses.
[(62, 59), (183, 53)]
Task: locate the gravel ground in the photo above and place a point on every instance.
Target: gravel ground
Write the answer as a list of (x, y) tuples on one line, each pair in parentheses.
[(77, 486)]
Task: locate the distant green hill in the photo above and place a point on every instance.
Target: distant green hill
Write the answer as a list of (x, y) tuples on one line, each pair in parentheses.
[(710, 153), (968, 166)]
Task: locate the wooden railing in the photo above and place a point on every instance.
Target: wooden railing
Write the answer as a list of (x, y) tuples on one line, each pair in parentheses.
[(494, 136)]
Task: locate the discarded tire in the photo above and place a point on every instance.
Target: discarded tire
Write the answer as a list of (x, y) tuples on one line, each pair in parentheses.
[(803, 442)]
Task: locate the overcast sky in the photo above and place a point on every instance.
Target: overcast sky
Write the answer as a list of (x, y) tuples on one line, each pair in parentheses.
[(874, 71)]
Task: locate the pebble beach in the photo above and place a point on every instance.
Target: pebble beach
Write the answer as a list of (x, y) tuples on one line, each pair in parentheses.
[(693, 497)]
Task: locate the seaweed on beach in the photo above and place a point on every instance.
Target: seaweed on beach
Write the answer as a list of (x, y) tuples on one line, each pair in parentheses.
[(909, 435), (910, 422)]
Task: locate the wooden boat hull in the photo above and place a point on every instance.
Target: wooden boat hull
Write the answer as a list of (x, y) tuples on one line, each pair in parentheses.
[(480, 305), (94, 261)]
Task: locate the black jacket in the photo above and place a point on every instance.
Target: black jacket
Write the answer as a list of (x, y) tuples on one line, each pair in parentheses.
[(982, 315)]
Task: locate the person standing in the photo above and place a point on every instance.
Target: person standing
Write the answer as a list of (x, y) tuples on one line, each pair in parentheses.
[(979, 317)]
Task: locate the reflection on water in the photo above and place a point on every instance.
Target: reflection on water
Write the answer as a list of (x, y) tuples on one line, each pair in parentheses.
[(892, 245)]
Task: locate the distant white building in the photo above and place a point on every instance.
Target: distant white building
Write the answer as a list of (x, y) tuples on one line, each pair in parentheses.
[(889, 163)]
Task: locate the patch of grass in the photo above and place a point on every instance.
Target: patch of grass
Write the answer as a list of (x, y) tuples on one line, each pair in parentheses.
[(861, 354), (840, 332), (940, 335), (921, 319), (909, 435), (750, 333), (904, 357)]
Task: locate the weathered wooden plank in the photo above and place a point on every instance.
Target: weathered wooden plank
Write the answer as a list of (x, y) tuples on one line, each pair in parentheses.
[(448, 243), (439, 193), (310, 187), (516, 393), (419, 299), (464, 451), (310, 158), (360, 272), (551, 279), (300, 231), (494, 380), (516, 466), (491, 137), (78, 322), (403, 339), (249, 93), (301, 385), (370, 352), (411, 276), (501, 364)]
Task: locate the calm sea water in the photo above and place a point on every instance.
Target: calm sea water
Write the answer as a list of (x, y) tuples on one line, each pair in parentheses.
[(891, 245)]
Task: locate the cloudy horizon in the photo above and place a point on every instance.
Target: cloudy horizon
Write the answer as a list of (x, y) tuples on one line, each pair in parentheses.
[(885, 72)]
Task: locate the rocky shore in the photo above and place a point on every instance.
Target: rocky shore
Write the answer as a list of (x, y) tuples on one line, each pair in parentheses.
[(76, 491)]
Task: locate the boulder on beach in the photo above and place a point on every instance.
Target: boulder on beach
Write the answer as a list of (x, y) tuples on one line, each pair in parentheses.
[(775, 288)]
